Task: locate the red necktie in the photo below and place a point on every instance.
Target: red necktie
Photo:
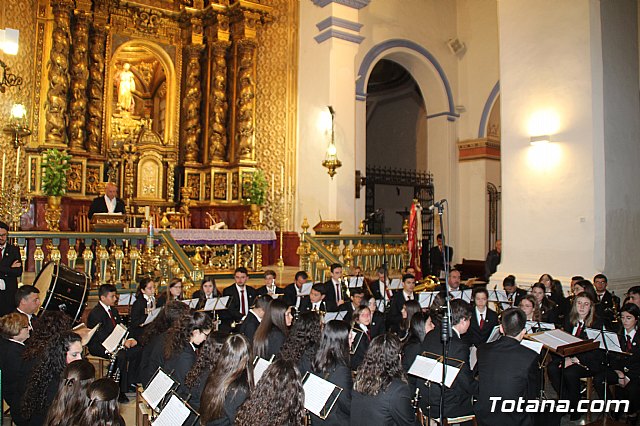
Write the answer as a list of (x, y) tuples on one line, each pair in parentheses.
[(579, 330), (243, 305), (369, 334), (481, 321), (629, 345), (113, 320)]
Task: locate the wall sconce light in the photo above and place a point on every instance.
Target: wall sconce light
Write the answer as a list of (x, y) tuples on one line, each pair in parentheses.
[(9, 41), (331, 161), (539, 140)]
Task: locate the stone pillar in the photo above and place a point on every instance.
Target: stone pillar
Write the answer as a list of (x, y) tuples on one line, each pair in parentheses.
[(569, 206)]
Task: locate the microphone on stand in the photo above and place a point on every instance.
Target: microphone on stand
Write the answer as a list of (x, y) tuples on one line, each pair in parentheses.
[(437, 204)]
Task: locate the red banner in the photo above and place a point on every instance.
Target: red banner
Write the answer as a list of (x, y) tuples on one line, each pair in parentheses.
[(414, 240)]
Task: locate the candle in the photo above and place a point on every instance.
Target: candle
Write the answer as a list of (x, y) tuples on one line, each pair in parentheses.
[(273, 187), (17, 162)]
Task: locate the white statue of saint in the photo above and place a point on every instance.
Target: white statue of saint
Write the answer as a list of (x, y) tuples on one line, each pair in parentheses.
[(126, 87)]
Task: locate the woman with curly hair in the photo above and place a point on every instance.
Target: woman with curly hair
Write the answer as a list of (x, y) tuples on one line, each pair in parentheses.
[(206, 360), (180, 346), (42, 383), (14, 329), (102, 409), (380, 388), (273, 329), (302, 342), (173, 292), (154, 337), (332, 364), (49, 324), (228, 384), (71, 399), (278, 399)]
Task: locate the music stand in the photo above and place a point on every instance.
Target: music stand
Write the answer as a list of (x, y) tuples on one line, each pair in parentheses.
[(357, 338), (156, 391), (260, 365), (325, 394), (176, 412)]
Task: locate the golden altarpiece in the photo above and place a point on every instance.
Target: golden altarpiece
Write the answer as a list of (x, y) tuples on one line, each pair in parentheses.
[(158, 96)]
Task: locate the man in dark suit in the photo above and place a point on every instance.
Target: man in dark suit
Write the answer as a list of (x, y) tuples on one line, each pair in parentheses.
[(108, 203), (28, 302), (241, 298), (608, 304), (394, 317), (455, 283), (379, 289), (254, 317), (10, 270), (357, 295), (506, 369), (315, 301), (106, 314), (291, 292), (493, 260), (457, 399), (436, 257), (514, 294), (333, 289), (483, 319), (270, 286)]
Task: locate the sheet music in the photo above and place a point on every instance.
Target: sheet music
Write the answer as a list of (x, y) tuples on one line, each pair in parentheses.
[(530, 344), (473, 357), (431, 370), (355, 334), (112, 342), (222, 303), (426, 298), (306, 289), (495, 334), (151, 316), (380, 305), (126, 299), (613, 344), (395, 284), (355, 282), (192, 303), (317, 392), (85, 332), (462, 294), (259, 367), (553, 339), (329, 316), (498, 296), (175, 413), (157, 389), (530, 325)]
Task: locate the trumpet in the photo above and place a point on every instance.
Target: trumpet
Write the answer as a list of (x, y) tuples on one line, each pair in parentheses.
[(428, 283)]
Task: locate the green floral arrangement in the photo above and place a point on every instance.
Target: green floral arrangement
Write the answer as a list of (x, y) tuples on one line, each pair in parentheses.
[(55, 165), (255, 189)]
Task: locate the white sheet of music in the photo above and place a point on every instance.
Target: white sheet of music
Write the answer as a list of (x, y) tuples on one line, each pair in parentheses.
[(305, 290), (355, 282), (462, 294), (498, 296), (126, 299), (473, 357), (555, 338), (426, 298), (431, 370), (111, 343), (222, 303), (530, 325), (157, 389), (317, 392), (85, 332), (191, 302), (495, 334), (152, 315), (175, 413), (613, 344), (329, 316), (380, 305), (534, 346), (396, 284), (259, 368)]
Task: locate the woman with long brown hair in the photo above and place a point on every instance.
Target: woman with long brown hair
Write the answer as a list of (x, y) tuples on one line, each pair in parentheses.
[(71, 399), (302, 342), (278, 399), (102, 409), (228, 384), (530, 308), (273, 329), (173, 292), (206, 360)]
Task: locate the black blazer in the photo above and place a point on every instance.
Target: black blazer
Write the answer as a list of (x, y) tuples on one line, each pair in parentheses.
[(475, 336), (275, 339), (394, 316), (410, 350), (605, 308), (519, 295), (506, 369), (232, 401), (98, 315), (180, 363), (152, 357), (377, 326), (340, 376), (375, 290), (330, 296), (457, 399), (630, 364), (291, 295), (249, 326), (549, 311), (361, 350), (10, 276), (392, 406), (306, 305), (12, 379), (137, 317), (234, 304), (436, 259), (263, 290), (98, 205), (593, 359)]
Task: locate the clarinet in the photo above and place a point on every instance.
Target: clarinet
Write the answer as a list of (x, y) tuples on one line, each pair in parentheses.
[(113, 372), (415, 403)]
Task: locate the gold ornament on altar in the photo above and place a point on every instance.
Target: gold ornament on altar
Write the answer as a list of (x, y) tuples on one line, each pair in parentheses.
[(331, 162)]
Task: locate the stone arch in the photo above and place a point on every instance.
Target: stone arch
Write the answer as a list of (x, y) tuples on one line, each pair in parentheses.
[(486, 111)]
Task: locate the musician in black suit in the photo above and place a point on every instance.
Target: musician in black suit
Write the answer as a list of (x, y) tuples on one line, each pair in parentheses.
[(208, 290), (483, 319), (315, 301), (548, 308), (378, 325), (624, 369), (607, 303), (514, 294), (291, 292), (14, 329), (380, 288), (28, 302), (493, 260), (333, 289), (108, 203), (241, 297), (357, 296), (455, 282), (270, 286), (506, 369), (10, 270), (105, 314), (254, 317), (142, 307), (457, 399), (394, 317), (436, 256)]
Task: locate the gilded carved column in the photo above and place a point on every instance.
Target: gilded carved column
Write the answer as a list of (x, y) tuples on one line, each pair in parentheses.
[(96, 89), (79, 81), (218, 142), (245, 101), (191, 104), (58, 75)]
